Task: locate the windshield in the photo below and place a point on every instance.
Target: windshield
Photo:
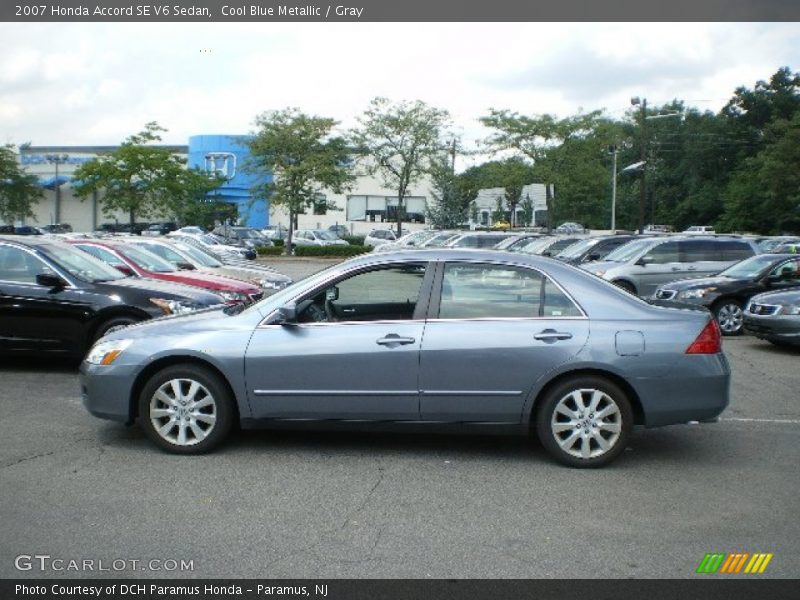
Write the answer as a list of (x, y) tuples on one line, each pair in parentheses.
[(534, 246), (440, 240), (326, 235), (81, 264), (577, 249), (198, 255), (750, 268), (630, 250), (147, 260)]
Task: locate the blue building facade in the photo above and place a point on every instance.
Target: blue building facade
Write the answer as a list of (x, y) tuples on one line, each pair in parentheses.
[(229, 156)]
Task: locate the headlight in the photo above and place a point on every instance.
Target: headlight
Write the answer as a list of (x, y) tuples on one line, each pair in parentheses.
[(790, 309), (106, 353), (699, 293), (175, 307), (233, 296), (269, 284)]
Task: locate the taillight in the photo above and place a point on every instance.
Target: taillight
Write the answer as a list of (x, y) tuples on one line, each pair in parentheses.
[(709, 341)]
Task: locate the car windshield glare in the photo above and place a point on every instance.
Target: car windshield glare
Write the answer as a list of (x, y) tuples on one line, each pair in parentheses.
[(326, 235), (628, 251), (749, 268), (576, 249), (82, 265), (201, 257), (147, 260)]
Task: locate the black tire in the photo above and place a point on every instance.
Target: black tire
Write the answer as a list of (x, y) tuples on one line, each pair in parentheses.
[(112, 323), (729, 316), (585, 428), (624, 285), (184, 416)]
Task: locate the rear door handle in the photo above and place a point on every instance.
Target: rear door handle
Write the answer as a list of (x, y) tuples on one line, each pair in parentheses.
[(551, 335), (393, 340), (691, 268)]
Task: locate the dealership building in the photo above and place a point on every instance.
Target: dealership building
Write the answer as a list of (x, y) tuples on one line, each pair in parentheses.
[(367, 205)]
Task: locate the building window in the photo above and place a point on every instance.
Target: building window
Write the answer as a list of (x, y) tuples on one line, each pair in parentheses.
[(384, 208)]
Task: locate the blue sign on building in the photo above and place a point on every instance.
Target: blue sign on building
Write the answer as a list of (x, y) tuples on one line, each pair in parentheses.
[(228, 155)]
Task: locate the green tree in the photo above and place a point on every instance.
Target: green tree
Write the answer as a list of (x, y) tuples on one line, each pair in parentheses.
[(303, 158), (141, 179), (19, 190), (527, 211), (401, 141), (511, 174), (449, 208)]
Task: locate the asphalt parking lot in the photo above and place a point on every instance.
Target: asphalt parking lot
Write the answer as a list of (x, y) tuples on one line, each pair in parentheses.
[(368, 505)]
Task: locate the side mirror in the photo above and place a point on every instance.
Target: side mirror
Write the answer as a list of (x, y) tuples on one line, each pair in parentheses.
[(592, 257), (644, 261), (50, 280), (332, 294), (185, 266), (288, 313), (125, 269)]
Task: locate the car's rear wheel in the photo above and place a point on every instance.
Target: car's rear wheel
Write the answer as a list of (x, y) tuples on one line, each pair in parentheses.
[(585, 421), (186, 409), (730, 317)]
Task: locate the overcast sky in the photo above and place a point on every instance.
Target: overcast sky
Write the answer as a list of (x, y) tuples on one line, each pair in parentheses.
[(76, 84)]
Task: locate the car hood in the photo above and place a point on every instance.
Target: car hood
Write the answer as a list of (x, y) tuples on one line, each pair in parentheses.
[(704, 282), (210, 319), (206, 280), (784, 297), (164, 289), (602, 265)]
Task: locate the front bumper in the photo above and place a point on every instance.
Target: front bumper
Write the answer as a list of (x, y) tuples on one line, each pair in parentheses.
[(106, 390), (785, 328)]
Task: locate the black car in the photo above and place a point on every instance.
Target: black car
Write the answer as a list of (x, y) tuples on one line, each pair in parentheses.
[(593, 248), (728, 292), (775, 317), (56, 298), (242, 236)]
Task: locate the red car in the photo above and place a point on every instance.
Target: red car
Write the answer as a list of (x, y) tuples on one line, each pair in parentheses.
[(138, 262)]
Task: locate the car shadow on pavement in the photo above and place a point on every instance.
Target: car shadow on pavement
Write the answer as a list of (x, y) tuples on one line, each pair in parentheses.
[(41, 363)]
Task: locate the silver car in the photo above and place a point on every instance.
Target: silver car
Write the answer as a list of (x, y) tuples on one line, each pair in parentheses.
[(641, 266), (483, 340)]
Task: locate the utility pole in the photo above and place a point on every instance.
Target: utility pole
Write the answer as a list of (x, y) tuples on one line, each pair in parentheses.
[(643, 148), (614, 188)]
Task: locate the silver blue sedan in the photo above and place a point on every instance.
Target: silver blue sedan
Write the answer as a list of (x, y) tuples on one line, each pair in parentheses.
[(467, 339)]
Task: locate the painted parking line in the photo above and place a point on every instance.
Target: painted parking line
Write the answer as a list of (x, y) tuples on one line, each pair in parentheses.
[(743, 420)]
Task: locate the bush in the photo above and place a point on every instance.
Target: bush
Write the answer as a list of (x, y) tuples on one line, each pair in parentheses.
[(332, 251), (278, 243), (270, 250), (354, 240)]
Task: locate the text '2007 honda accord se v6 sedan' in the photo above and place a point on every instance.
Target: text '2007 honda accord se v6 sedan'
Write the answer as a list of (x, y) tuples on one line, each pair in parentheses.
[(464, 339)]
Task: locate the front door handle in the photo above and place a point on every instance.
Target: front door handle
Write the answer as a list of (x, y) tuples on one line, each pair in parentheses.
[(551, 335), (392, 340)]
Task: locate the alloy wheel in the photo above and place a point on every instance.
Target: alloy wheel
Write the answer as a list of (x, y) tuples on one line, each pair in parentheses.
[(586, 423), (183, 412)]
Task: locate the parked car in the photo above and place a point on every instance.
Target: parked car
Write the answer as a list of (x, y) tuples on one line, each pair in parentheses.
[(316, 237), (771, 243), (570, 227), (55, 299), (212, 243), (592, 249), (441, 239), (26, 230), (415, 239), (699, 229), (376, 237), (775, 317), (191, 230), (479, 239), (546, 246), (787, 248), (642, 265), (56, 228), (183, 255), (512, 343), (242, 236), (339, 230), (517, 240), (726, 294), (140, 263), (159, 229)]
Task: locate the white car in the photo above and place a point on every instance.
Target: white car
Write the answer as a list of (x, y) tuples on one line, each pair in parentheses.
[(700, 229), (407, 242), (209, 241), (316, 237), (378, 237)]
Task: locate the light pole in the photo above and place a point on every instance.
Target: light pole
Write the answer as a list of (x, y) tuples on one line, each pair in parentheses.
[(614, 188), (643, 155), (57, 159)]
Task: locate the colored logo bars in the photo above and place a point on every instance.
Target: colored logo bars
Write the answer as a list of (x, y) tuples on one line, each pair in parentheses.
[(735, 562)]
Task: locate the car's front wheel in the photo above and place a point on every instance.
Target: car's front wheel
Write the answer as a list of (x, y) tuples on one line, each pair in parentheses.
[(186, 409), (585, 421), (730, 317)]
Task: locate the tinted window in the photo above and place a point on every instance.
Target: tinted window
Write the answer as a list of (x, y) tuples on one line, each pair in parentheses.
[(736, 250), (789, 270), (103, 254), (664, 253), (18, 265), (557, 303), (489, 291), (701, 250)]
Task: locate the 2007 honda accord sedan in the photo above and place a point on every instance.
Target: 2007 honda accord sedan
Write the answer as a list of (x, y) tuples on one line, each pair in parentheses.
[(466, 339)]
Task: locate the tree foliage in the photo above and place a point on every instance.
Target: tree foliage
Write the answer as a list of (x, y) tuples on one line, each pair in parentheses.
[(303, 158), (402, 140), (143, 180), (19, 190)]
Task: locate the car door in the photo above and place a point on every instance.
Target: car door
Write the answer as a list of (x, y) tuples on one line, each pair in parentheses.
[(352, 354), (661, 264), (494, 330), (33, 316)]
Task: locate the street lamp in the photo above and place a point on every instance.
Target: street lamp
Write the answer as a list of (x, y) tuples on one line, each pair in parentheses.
[(57, 159), (643, 155)]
